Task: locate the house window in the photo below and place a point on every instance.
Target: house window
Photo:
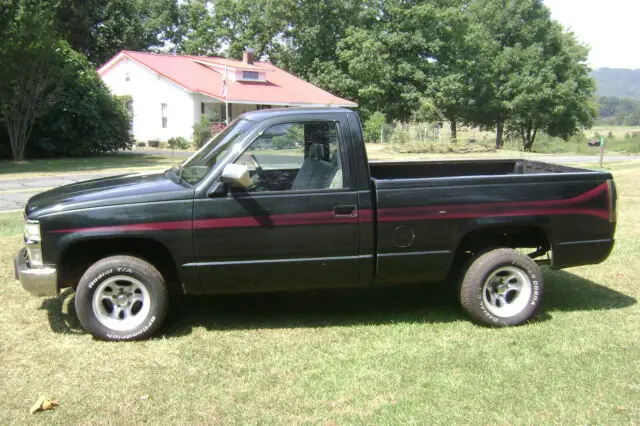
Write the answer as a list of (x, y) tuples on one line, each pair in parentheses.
[(250, 75), (127, 77), (201, 107), (163, 107)]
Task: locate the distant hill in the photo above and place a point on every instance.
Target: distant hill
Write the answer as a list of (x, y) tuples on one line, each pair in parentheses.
[(617, 82)]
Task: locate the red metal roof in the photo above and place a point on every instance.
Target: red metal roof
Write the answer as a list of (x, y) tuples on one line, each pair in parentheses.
[(280, 87)]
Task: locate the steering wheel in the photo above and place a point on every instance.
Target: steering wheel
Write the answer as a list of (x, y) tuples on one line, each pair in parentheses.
[(259, 168)]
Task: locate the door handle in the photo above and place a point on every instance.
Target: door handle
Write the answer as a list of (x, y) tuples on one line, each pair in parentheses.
[(345, 211)]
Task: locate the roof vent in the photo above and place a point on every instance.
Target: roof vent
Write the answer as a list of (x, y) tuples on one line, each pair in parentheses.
[(247, 56)]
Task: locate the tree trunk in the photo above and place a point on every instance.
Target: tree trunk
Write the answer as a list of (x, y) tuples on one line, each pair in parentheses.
[(18, 136), (454, 131), (528, 143), (499, 132)]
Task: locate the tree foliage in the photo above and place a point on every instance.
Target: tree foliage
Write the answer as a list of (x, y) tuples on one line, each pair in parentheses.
[(101, 28), (30, 72), (489, 63), (619, 112), (85, 119), (52, 101)]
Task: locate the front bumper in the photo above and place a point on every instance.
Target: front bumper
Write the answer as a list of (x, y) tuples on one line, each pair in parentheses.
[(37, 281)]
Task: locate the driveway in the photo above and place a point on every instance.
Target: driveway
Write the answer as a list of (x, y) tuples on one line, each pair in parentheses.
[(14, 193)]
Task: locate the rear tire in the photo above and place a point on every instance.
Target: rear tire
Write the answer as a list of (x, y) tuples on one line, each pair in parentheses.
[(501, 287), (121, 298)]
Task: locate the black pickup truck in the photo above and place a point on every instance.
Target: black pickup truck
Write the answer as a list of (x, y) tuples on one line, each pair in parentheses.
[(286, 200)]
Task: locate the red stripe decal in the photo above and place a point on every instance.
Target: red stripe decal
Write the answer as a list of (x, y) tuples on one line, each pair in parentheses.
[(571, 206), (153, 226), (518, 208)]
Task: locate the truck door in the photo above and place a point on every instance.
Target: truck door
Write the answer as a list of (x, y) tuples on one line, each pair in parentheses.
[(297, 227)]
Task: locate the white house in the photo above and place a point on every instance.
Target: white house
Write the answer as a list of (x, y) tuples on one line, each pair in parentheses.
[(171, 93)]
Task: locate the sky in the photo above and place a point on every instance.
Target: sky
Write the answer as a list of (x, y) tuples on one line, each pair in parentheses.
[(610, 27)]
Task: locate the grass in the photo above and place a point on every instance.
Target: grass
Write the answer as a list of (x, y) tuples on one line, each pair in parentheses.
[(392, 356), (103, 164)]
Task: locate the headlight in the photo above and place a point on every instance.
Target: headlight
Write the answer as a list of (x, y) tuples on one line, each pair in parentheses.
[(32, 231), (32, 240)]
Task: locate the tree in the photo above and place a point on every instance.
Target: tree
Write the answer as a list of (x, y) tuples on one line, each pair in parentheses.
[(30, 71), (510, 26), (553, 90)]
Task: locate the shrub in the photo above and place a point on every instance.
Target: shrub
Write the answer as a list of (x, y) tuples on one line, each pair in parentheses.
[(179, 142), (373, 126), (85, 119), (201, 132), (141, 144), (163, 145), (154, 144)]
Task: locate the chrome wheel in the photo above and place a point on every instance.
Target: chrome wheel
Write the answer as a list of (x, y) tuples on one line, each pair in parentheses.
[(507, 291), (121, 303)]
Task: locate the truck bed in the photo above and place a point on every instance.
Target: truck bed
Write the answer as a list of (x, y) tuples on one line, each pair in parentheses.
[(431, 169), (424, 209)]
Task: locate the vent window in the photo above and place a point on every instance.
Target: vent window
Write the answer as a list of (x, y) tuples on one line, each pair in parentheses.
[(250, 75)]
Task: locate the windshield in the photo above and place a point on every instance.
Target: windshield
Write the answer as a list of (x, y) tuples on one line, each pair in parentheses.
[(196, 167)]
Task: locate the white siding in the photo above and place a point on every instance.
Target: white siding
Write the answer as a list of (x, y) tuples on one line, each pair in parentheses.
[(148, 91)]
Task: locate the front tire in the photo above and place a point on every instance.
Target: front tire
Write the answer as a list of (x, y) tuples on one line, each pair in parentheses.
[(501, 287), (121, 298)]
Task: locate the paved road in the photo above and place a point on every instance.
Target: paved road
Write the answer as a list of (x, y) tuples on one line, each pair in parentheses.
[(14, 193)]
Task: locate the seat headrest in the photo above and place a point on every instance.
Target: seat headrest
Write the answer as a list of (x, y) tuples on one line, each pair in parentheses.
[(316, 151)]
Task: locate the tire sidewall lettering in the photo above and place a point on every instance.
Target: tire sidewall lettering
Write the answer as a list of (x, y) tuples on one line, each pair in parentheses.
[(99, 278), (136, 333)]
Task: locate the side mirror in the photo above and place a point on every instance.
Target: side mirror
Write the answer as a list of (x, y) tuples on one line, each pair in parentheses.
[(237, 176)]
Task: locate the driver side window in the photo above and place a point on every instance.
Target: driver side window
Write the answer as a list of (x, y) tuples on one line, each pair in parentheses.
[(295, 157)]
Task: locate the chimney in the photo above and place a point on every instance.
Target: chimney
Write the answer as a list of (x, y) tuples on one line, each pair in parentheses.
[(247, 56)]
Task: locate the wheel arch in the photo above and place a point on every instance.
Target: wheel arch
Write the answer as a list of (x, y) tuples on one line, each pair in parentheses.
[(511, 235), (78, 256), (507, 235)]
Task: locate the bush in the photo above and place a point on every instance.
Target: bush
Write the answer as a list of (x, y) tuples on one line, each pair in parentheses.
[(85, 119), (163, 145), (141, 144), (201, 132), (179, 142), (154, 144), (420, 138), (373, 126)]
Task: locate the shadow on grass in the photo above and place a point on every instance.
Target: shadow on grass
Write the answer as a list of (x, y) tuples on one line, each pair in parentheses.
[(61, 313), (566, 292), (433, 303)]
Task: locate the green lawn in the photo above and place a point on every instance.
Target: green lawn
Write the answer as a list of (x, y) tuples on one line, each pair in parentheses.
[(102, 163), (377, 357)]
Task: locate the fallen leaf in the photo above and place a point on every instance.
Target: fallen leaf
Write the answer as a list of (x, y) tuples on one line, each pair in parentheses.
[(44, 403)]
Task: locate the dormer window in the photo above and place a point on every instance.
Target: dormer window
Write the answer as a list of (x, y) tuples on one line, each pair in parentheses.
[(250, 75)]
